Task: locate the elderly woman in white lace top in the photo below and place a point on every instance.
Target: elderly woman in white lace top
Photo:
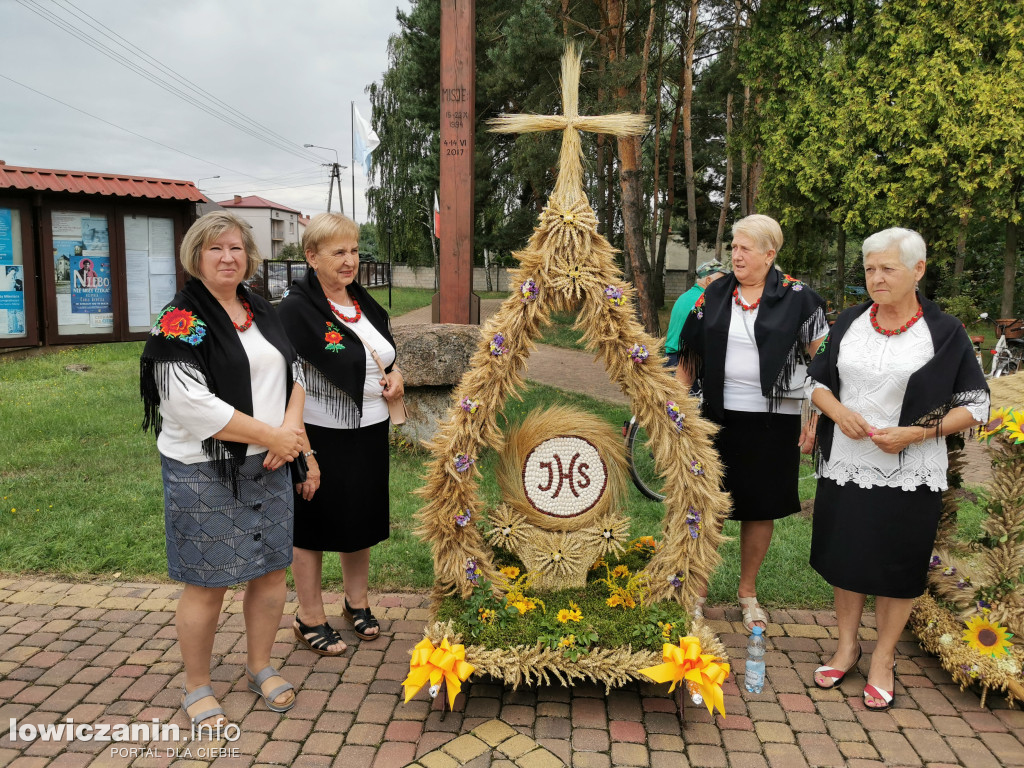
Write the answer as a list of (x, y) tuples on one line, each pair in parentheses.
[(895, 375)]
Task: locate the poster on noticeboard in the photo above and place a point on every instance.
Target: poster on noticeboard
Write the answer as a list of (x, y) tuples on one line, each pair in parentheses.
[(81, 253), (6, 237)]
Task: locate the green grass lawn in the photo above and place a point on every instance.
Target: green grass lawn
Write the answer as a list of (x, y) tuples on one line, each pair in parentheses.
[(82, 496), (561, 333), (407, 299)]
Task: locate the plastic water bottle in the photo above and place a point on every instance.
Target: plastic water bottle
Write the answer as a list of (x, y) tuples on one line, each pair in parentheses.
[(753, 677)]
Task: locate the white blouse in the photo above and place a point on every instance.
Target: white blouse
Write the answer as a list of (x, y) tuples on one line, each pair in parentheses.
[(191, 413), (375, 409), (742, 389), (873, 372)]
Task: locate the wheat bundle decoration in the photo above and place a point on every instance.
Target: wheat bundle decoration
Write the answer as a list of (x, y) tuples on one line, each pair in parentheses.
[(972, 617), (568, 266)]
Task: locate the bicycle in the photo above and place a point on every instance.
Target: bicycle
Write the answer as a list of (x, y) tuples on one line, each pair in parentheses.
[(1008, 354), (640, 459)]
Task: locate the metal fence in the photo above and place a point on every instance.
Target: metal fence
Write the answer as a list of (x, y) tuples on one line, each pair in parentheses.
[(273, 277)]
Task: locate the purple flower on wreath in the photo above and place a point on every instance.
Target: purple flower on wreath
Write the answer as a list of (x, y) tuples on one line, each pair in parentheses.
[(463, 462), (950, 571), (498, 345), (963, 582), (675, 414), (615, 296), (693, 520), (471, 571), (696, 467), (469, 406), (936, 561), (675, 581), (463, 520), (984, 606), (639, 353), (528, 291)]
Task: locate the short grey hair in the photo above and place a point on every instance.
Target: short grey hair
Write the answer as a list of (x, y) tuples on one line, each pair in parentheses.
[(908, 244), (763, 230)]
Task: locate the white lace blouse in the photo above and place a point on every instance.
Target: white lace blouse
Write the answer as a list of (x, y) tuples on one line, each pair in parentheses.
[(873, 374)]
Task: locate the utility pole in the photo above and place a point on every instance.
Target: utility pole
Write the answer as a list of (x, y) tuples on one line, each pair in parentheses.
[(335, 178)]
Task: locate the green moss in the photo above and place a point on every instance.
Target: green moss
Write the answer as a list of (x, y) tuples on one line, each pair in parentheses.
[(614, 626)]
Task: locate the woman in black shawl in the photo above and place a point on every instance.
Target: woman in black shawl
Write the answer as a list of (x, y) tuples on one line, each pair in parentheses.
[(895, 374), (223, 393), (343, 506), (743, 341)]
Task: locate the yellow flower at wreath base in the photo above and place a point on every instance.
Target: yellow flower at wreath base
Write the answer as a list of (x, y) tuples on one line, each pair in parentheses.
[(987, 637), (572, 613)]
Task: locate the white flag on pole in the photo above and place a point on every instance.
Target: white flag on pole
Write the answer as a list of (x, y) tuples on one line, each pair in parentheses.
[(437, 217), (366, 140)]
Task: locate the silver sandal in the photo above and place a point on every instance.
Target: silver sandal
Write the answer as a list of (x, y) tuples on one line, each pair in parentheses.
[(256, 686), (196, 696)]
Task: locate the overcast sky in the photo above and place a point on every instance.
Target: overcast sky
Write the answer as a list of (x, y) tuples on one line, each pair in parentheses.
[(291, 67)]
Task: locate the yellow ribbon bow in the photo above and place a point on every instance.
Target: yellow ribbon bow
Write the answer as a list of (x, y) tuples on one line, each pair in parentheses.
[(685, 662), (445, 662)]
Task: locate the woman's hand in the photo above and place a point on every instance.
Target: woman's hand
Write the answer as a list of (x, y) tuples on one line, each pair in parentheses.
[(852, 424), (808, 433), (394, 384), (308, 488), (895, 439), (284, 445)]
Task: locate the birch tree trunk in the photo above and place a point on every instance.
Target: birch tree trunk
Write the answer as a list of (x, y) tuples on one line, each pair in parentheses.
[(690, 43), (727, 190)]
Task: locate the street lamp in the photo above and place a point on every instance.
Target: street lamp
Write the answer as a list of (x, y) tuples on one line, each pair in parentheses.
[(205, 178), (335, 174)]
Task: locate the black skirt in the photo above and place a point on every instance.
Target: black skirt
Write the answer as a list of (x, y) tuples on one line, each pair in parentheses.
[(350, 511), (761, 458), (876, 541)]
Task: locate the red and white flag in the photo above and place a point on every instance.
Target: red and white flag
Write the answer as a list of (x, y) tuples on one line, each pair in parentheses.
[(437, 218)]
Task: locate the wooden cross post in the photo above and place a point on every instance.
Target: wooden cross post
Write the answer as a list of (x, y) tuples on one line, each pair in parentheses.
[(455, 301), (569, 185)]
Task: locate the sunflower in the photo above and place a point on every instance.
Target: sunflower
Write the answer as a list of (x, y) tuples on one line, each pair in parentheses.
[(987, 637), (1014, 427), (994, 424)]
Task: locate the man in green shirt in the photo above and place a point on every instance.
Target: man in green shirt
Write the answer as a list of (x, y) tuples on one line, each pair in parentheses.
[(707, 273)]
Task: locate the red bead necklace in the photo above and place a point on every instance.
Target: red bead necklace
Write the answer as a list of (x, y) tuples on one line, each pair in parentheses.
[(248, 318), (873, 314), (741, 304), (346, 319)]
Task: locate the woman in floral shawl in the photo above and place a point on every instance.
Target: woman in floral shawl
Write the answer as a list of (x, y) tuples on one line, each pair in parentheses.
[(344, 504), (223, 393), (744, 341)]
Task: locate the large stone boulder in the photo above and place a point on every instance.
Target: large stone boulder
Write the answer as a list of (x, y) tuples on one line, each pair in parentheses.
[(433, 359)]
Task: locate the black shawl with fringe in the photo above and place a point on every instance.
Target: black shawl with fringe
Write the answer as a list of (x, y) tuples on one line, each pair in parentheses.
[(782, 328), (194, 335), (333, 357), (947, 381)]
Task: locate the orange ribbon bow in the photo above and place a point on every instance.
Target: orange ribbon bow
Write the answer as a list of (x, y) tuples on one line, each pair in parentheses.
[(705, 671), (445, 662)]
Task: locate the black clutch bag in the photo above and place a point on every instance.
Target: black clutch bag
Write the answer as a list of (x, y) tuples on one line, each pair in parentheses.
[(299, 469)]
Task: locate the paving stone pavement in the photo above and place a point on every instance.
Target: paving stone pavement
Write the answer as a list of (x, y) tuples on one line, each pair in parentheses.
[(106, 653)]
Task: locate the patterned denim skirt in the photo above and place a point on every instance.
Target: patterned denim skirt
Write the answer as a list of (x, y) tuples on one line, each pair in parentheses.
[(217, 540)]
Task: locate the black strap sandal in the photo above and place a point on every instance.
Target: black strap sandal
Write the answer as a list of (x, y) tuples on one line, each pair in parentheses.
[(362, 620), (320, 638)]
